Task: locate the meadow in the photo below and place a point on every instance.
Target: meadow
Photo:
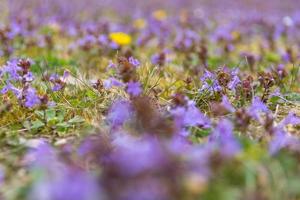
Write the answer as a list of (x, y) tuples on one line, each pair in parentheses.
[(149, 100)]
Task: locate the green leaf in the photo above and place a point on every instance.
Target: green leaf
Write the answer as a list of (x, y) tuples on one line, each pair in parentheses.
[(50, 114), (76, 119), (293, 96), (39, 113), (37, 124)]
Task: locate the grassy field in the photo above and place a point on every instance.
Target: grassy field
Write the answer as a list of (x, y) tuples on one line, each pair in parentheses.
[(149, 100)]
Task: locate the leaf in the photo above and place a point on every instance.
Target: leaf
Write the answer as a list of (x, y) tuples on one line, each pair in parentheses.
[(39, 113), (76, 119), (50, 114), (63, 125), (37, 124), (293, 96)]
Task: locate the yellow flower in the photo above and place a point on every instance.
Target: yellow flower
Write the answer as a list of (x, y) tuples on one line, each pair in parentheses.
[(120, 38), (159, 15), (139, 23)]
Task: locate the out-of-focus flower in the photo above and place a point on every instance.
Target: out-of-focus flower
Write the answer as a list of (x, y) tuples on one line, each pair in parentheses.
[(111, 65), (139, 23), (159, 14), (120, 38), (119, 112), (280, 140), (223, 137), (109, 83), (226, 103), (291, 118), (189, 115), (134, 88), (256, 108)]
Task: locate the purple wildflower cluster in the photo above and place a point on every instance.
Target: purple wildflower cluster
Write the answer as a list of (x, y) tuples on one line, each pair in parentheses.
[(16, 73), (19, 81)]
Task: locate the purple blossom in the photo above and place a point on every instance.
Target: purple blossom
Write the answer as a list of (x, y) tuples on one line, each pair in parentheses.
[(29, 77), (134, 62), (109, 83), (12, 69), (256, 108), (119, 112), (53, 77), (155, 59), (111, 65), (227, 104), (280, 140), (234, 83), (103, 39), (134, 156), (66, 74), (291, 118), (223, 137), (189, 116), (9, 87), (70, 185), (58, 181), (114, 45), (134, 88), (31, 98), (56, 87), (210, 82)]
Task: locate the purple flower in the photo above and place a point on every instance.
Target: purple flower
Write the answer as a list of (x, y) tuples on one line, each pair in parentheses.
[(72, 184), (56, 87), (114, 45), (103, 39), (280, 140), (109, 83), (58, 181), (120, 112), (12, 69), (111, 65), (133, 156), (31, 99), (226, 103), (256, 108), (155, 59), (223, 137), (235, 80), (66, 74), (210, 82), (9, 87), (189, 116), (134, 88), (291, 118), (134, 62), (28, 77), (53, 77)]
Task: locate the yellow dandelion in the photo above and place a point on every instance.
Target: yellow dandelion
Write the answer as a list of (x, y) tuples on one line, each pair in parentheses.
[(159, 15), (120, 38)]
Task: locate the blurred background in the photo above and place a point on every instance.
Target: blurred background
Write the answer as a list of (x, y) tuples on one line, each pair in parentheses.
[(64, 10)]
